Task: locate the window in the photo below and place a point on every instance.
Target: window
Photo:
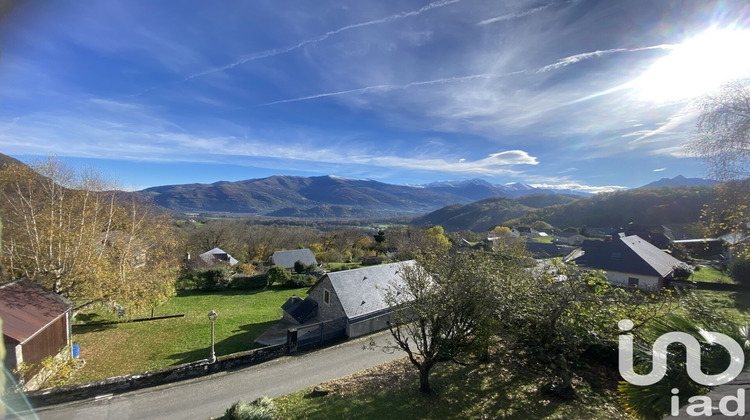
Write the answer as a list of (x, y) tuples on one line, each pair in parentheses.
[(326, 296), (632, 282)]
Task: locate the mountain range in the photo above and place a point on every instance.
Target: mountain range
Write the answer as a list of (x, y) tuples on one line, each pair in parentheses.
[(680, 181), (332, 197), (329, 196)]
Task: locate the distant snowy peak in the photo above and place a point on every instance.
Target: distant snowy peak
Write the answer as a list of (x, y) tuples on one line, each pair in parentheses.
[(479, 189), (457, 184), (517, 186)]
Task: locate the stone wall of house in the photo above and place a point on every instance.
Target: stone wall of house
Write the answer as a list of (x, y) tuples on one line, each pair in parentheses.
[(367, 326), (126, 383), (330, 310)]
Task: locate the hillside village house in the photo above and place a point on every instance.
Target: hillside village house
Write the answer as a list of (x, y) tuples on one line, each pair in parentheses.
[(216, 256), (658, 235), (569, 238), (357, 297), (36, 325), (628, 261), (287, 259), (524, 232)]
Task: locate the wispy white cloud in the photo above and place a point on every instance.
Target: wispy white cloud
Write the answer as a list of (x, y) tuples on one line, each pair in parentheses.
[(660, 169), (580, 187), (128, 131), (494, 164), (523, 13), (314, 40), (676, 124), (559, 64)]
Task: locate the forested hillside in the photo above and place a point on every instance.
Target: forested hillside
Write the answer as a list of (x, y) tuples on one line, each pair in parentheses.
[(655, 206), (666, 205), (478, 216)]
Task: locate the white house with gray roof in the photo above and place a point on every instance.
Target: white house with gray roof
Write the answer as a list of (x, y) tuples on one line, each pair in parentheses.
[(629, 261), (216, 256), (287, 259), (356, 296)]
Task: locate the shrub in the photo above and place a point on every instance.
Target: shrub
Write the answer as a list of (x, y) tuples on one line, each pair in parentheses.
[(739, 269), (206, 279), (244, 268), (300, 267), (372, 260), (278, 275), (246, 282), (262, 408), (682, 272), (302, 280)]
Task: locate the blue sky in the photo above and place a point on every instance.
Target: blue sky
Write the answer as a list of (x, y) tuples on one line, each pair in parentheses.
[(593, 95)]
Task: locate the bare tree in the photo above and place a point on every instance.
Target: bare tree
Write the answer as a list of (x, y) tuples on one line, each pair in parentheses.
[(722, 136), (722, 140)]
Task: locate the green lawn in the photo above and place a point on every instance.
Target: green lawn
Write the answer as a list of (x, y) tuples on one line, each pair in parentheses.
[(709, 274), (342, 266), (543, 239), (113, 350)]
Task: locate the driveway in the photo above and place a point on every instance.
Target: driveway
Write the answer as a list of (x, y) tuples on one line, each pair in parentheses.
[(209, 396)]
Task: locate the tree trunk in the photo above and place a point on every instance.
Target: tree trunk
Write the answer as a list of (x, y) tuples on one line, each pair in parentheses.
[(424, 380)]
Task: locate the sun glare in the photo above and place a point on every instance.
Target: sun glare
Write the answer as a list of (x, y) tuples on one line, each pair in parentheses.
[(697, 66)]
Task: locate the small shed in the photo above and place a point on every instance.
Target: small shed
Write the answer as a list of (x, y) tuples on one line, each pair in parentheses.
[(36, 324), (287, 259)]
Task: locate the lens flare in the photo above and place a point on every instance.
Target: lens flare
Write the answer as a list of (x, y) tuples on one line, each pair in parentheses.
[(697, 66)]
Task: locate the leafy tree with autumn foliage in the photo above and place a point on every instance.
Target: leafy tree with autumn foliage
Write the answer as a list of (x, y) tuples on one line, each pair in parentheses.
[(70, 232), (443, 308)]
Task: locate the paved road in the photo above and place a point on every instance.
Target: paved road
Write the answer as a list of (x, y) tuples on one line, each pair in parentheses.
[(209, 396)]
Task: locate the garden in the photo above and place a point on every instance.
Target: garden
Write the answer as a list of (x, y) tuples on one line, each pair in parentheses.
[(127, 347)]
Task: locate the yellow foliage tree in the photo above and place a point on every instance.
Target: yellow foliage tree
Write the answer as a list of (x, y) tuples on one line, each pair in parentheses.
[(72, 233)]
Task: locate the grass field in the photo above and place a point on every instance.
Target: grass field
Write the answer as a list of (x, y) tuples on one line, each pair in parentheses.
[(709, 274), (113, 350), (543, 239)]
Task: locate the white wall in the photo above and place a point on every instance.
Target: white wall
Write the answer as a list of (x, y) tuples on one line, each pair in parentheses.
[(644, 282)]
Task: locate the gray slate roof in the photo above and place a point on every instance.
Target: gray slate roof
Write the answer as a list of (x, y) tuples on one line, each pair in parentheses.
[(630, 254), (362, 291), (287, 259), (300, 309), (215, 255)]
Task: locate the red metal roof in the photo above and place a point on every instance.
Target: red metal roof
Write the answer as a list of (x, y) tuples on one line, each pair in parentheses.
[(26, 309)]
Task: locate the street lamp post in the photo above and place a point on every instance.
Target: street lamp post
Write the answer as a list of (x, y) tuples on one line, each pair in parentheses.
[(212, 317)]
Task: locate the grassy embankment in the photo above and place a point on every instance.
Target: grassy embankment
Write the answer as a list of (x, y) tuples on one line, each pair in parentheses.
[(502, 389), (119, 349)]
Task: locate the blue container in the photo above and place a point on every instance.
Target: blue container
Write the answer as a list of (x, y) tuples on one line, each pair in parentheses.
[(75, 350)]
